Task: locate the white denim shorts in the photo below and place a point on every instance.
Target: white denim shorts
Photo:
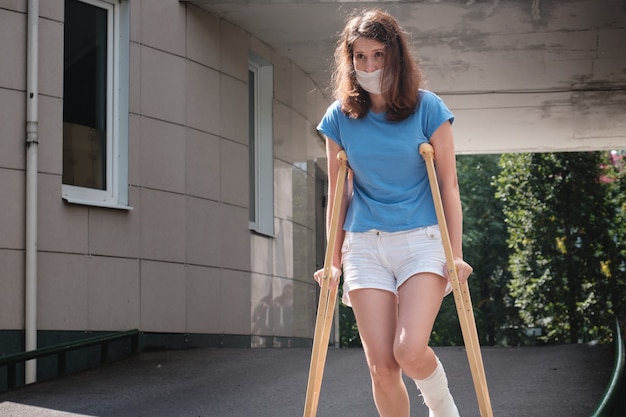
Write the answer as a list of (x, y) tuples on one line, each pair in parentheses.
[(385, 260)]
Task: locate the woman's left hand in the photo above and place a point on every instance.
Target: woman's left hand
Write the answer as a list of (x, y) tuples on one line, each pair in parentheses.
[(463, 269)]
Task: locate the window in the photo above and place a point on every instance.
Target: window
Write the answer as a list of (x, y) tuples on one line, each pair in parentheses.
[(95, 103), (261, 146)]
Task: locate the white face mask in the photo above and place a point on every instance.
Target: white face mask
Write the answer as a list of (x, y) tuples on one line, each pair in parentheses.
[(370, 81)]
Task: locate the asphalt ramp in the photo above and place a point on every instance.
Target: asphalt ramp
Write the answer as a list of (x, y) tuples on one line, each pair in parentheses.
[(554, 381)]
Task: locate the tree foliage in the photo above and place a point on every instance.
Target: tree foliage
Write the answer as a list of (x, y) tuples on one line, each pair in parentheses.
[(614, 268), (348, 331), (560, 222), (485, 248)]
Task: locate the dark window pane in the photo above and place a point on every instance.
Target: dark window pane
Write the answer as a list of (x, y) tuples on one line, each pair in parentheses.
[(252, 145), (85, 95)]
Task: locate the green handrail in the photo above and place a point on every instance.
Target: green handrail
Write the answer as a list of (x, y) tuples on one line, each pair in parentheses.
[(10, 361), (611, 393)]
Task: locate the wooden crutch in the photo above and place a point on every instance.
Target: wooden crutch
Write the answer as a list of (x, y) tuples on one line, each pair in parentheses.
[(328, 298), (461, 293)]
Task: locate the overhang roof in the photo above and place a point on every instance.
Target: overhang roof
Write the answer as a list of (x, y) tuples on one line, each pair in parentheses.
[(520, 75)]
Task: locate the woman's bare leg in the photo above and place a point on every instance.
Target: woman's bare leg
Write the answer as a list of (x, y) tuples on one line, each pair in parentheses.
[(419, 303), (420, 299), (376, 313)]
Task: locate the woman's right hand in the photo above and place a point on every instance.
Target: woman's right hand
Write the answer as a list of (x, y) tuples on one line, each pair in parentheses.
[(335, 275)]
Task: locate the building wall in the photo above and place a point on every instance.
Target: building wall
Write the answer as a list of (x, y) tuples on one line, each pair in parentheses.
[(183, 261)]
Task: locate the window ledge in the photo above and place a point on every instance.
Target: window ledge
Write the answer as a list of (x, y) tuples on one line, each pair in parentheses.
[(93, 203)]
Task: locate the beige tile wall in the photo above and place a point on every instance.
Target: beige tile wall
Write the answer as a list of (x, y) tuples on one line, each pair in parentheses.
[(204, 300), (13, 28), (12, 206), (12, 294), (12, 119), (184, 259), (113, 288)]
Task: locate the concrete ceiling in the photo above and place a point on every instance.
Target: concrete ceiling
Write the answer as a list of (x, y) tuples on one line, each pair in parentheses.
[(520, 75)]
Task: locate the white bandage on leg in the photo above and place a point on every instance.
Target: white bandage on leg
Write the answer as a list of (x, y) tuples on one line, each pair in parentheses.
[(436, 394)]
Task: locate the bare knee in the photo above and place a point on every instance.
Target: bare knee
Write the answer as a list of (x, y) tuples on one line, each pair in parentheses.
[(385, 373), (415, 359)]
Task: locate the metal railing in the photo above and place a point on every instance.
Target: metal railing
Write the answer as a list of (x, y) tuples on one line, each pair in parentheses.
[(61, 350)]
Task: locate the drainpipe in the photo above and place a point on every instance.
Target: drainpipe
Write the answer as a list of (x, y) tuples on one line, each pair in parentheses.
[(32, 93)]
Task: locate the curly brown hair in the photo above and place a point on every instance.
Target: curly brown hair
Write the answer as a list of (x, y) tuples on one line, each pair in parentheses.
[(401, 72)]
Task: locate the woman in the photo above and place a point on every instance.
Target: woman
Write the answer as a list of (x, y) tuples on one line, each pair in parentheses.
[(390, 247)]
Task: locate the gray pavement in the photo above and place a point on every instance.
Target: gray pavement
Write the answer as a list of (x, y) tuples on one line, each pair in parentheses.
[(554, 381)]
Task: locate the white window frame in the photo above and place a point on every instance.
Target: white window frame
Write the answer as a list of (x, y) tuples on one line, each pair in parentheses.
[(263, 164), (118, 56)]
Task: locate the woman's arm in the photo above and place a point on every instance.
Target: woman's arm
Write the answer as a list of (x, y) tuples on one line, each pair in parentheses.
[(332, 149), (445, 161)]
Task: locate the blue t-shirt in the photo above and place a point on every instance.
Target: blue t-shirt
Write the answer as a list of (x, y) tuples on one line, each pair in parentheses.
[(391, 191)]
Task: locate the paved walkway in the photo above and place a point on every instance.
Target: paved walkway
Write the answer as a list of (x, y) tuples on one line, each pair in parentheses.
[(553, 381)]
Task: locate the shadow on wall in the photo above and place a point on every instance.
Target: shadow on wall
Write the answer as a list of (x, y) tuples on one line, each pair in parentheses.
[(273, 316)]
